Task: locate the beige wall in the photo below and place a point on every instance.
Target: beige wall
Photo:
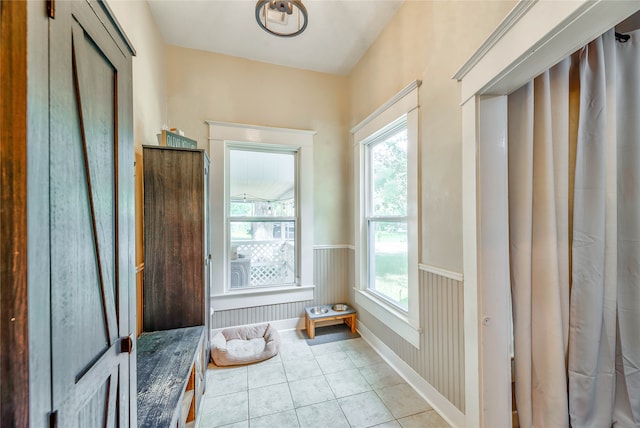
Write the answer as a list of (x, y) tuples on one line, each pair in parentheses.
[(149, 98), (206, 86), (149, 77), (429, 41)]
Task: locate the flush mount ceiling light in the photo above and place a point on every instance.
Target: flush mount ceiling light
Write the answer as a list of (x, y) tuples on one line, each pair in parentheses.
[(281, 18)]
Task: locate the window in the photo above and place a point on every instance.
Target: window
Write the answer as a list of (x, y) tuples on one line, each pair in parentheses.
[(386, 202), (261, 215), (262, 218), (386, 217)]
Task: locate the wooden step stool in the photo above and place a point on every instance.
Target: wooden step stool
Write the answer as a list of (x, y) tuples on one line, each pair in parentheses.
[(314, 314)]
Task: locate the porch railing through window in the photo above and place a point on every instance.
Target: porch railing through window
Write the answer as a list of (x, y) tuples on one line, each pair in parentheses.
[(262, 263)]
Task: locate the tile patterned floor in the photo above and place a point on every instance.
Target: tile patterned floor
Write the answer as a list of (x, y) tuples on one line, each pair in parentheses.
[(334, 385)]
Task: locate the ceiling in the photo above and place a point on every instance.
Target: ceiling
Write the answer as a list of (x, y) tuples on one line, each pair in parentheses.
[(261, 176), (338, 33)]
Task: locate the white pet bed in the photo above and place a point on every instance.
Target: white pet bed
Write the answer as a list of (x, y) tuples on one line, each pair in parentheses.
[(244, 345)]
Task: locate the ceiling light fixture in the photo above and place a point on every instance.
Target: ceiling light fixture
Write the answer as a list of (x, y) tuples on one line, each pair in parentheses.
[(277, 17)]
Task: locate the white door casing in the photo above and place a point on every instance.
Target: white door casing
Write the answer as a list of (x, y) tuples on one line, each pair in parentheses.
[(532, 38)]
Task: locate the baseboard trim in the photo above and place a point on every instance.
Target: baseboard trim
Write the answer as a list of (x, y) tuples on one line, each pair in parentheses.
[(280, 325), (444, 407)]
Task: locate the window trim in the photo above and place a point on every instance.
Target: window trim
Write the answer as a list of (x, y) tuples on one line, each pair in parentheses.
[(221, 136), (369, 144), (404, 104)]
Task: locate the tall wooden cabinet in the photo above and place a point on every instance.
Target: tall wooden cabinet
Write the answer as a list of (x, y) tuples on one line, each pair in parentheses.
[(67, 217), (176, 238)]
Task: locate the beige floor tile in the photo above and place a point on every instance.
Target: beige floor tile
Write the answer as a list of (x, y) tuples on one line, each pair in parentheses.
[(294, 351), (392, 424), (224, 410), (301, 369), (322, 415), (243, 424), (402, 400), (381, 375), (226, 381), (335, 362), (326, 348), (430, 419), (364, 410), (270, 374), (291, 336), (287, 419), (364, 357), (354, 344), (347, 383), (310, 391), (269, 399)]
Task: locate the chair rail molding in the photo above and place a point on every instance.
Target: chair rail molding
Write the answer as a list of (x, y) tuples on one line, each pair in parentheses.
[(456, 276)]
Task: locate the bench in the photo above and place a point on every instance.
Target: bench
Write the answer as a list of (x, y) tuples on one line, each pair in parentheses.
[(171, 368), (312, 317)]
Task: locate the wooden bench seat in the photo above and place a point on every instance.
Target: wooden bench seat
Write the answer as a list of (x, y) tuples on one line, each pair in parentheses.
[(171, 377)]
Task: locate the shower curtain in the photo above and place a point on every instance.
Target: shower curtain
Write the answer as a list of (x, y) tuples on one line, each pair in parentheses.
[(577, 359), (539, 237)]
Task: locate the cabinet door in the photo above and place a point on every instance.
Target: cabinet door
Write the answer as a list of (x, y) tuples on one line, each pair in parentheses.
[(174, 233), (207, 253), (91, 171)]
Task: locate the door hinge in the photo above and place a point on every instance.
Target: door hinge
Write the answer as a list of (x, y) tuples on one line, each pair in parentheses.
[(51, 8), (126, 344), (53, 419)]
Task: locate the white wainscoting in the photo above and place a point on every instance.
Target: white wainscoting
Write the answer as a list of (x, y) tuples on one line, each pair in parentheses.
[(440, 359)]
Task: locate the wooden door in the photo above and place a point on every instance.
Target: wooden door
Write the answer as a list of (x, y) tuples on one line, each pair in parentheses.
[(91, 174), (174, 233)]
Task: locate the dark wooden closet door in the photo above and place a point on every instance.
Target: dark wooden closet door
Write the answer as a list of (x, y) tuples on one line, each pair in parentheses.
[(175, 236), (89, 213)]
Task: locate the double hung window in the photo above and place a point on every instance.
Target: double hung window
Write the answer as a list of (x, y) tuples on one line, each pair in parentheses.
[(262, 217), (386, 205), (386, 215)]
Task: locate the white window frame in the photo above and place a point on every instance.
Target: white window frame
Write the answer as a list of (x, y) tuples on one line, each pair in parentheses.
[(404, 105), (370, 217), (221, 136), (264, 148)]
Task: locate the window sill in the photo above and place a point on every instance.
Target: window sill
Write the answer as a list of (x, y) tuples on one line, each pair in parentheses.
[(250, 298), (388, 315)]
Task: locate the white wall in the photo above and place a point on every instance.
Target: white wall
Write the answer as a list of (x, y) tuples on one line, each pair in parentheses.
[(149, 98), (149, 76)]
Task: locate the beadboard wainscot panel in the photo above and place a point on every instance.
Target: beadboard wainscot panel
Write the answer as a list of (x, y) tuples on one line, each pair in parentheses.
[(332, 266), (440, 359), (352, 274), (258, 314), (331, 274)]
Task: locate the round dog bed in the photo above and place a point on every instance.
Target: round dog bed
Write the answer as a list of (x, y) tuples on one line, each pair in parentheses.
[(244, 345)]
